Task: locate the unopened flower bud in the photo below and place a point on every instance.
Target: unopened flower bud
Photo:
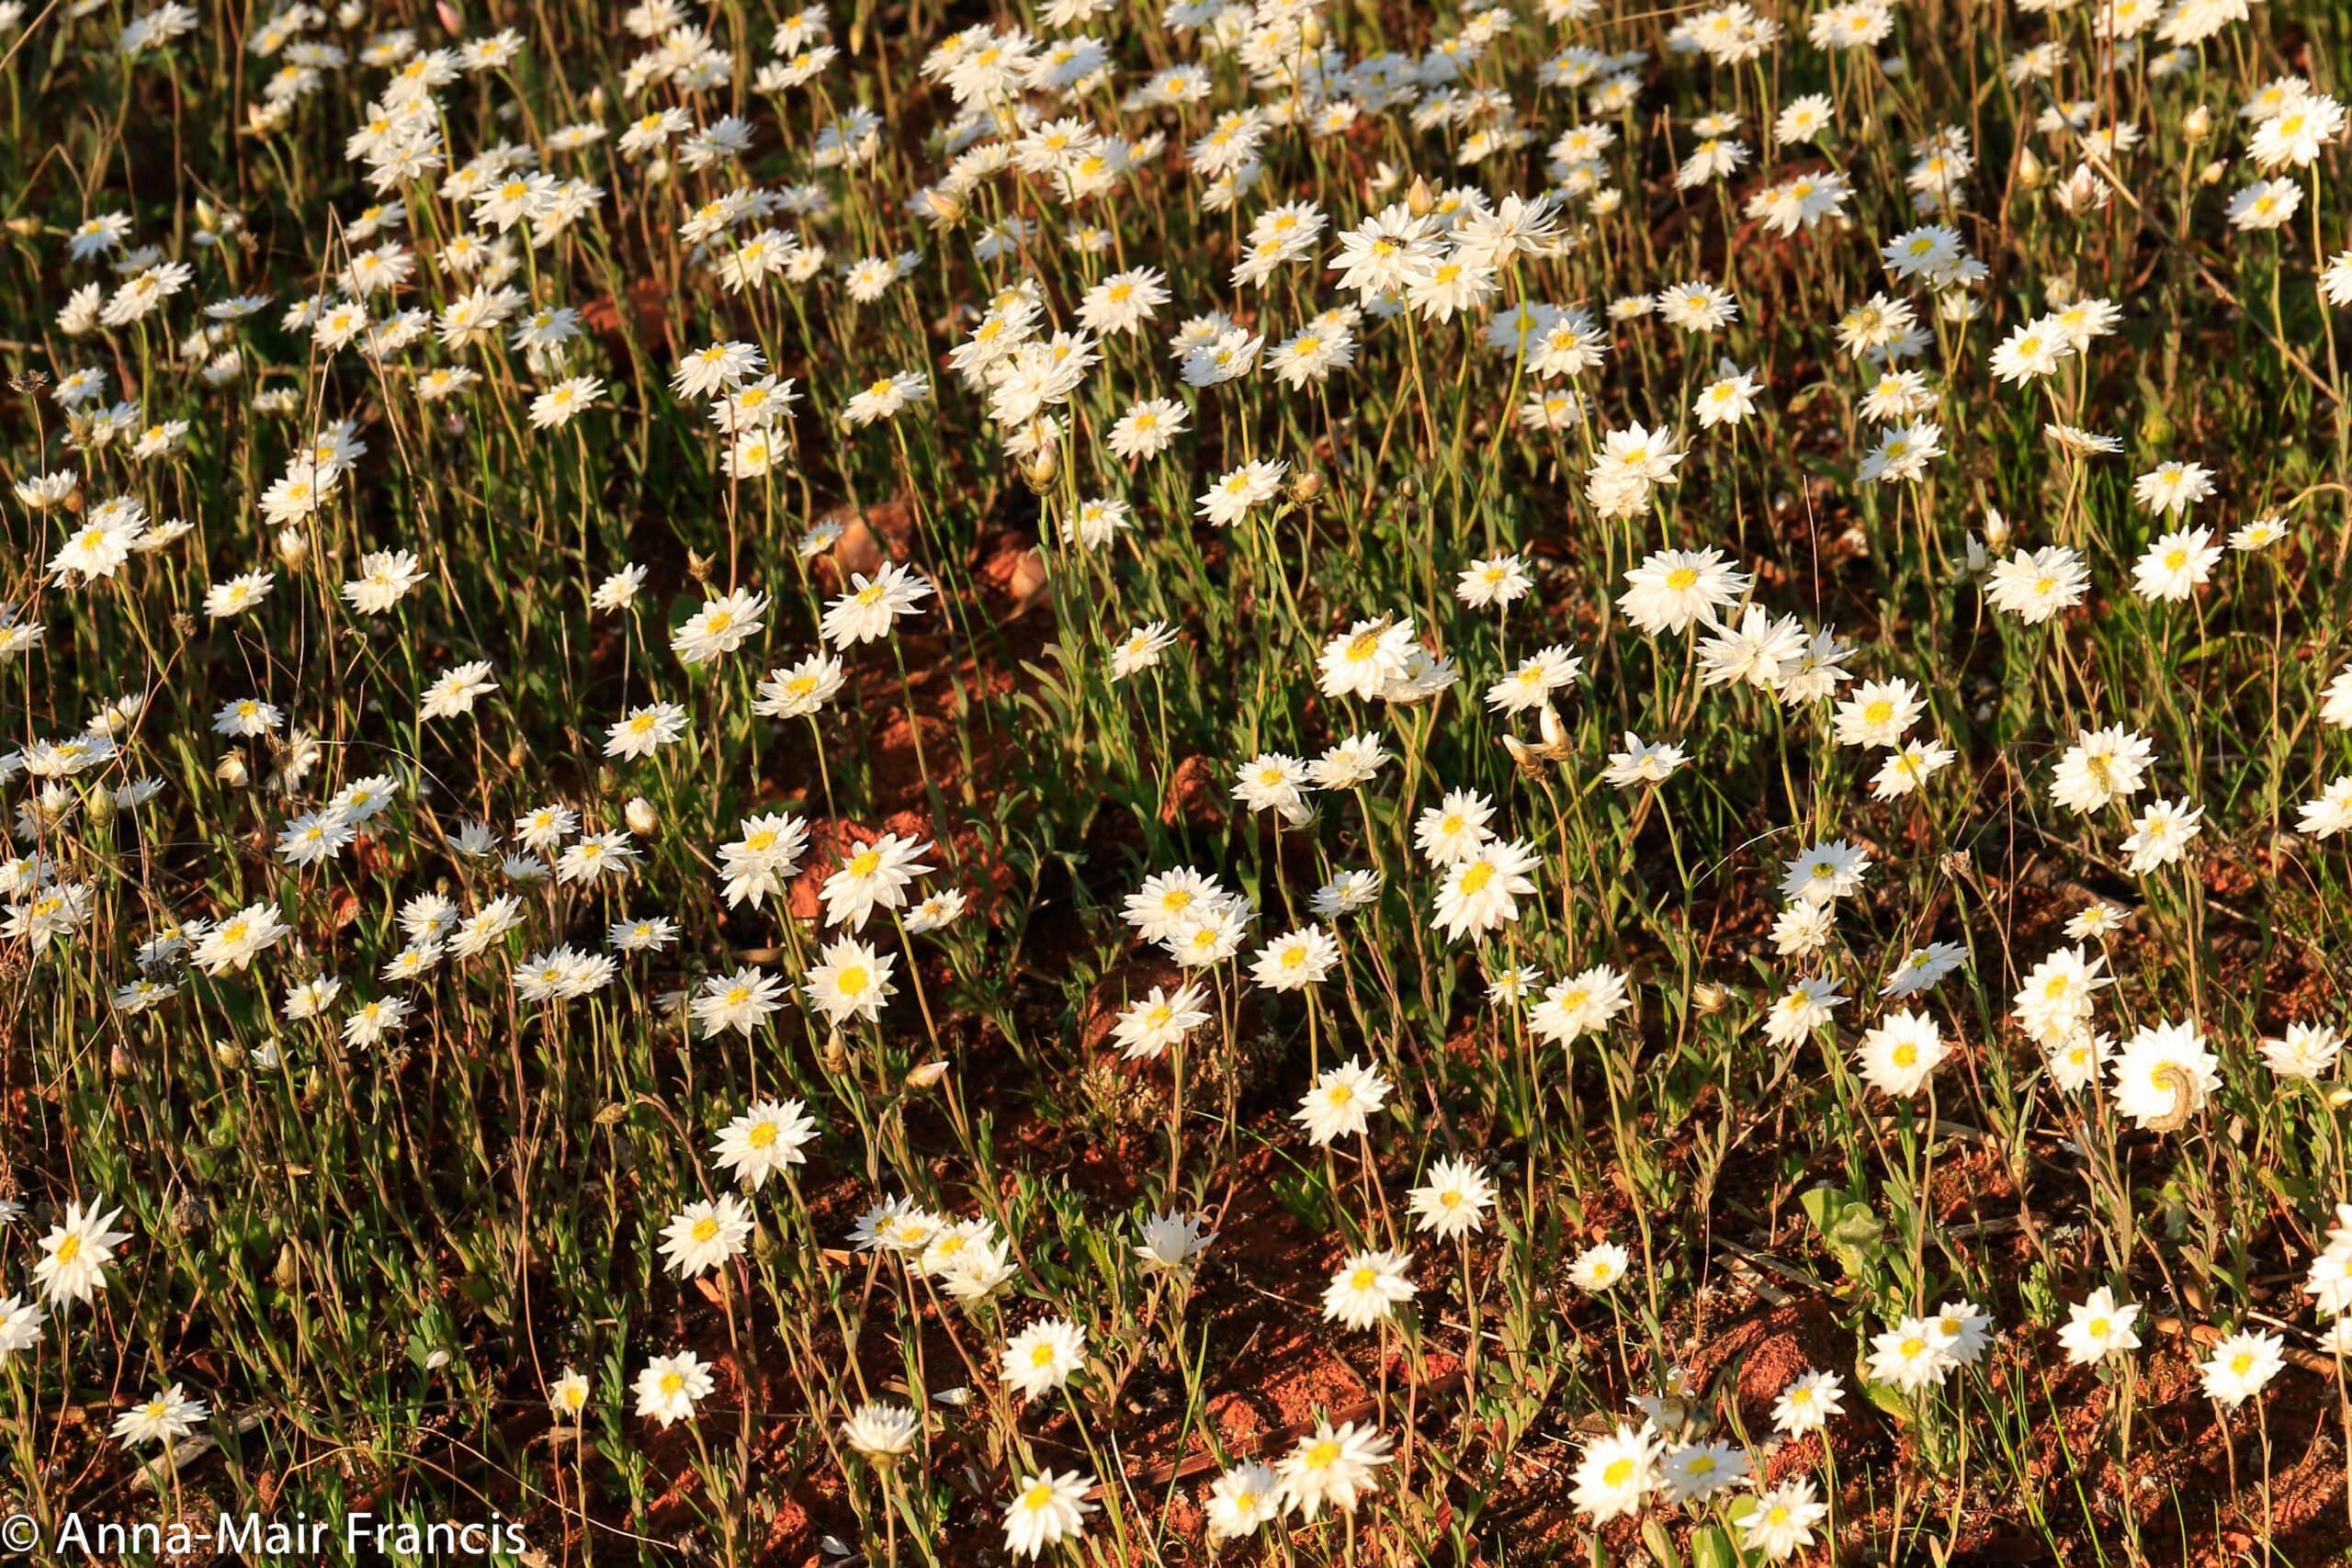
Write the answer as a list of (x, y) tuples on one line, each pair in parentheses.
[(2199, 125), (1555, 734), (233, 770), (1038, 472), (1417, 199), (293, 548), (2032, 172), (640, 817), (1304, 486)]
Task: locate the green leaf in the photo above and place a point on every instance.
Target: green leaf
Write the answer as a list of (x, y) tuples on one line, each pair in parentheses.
[(1712, 1548), (1855, 1236), (1654, 1536), (1308, 1196), (1889, 1398)]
